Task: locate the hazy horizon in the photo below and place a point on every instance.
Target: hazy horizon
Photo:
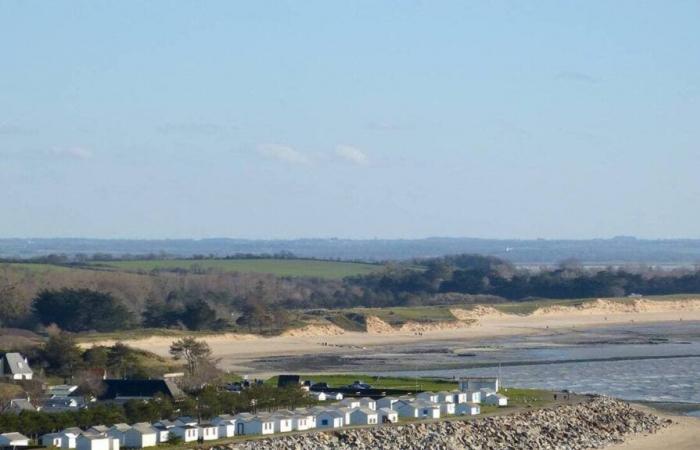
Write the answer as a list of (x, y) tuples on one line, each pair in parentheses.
[(350, 119)]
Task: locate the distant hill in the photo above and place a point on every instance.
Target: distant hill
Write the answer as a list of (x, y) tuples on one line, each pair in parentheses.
[(621, 250)]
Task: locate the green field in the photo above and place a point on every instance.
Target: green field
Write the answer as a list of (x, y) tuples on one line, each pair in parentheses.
[(279, 267)]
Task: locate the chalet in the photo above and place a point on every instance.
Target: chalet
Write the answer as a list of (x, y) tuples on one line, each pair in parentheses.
[(95, 441), (349, 403), (98, 429), (187, 433), (330, 419), (64, 440), (459, 397), (208, 431), (226, 424), (320, 396), (445, 397), (13, 440), (123, 390), (252, 425), (303, 420), (185, 420), (388, 415), (427, 396), (495, 399), (366, 402), (473, 396), (387, 402), (141, 435), (118, 431), (447, 408), (418, 409), (479, 383), (14, 366), (364, 416), (467, 409)]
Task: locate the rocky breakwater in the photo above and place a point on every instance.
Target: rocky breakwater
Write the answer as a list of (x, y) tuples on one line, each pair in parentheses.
[(588, 425)]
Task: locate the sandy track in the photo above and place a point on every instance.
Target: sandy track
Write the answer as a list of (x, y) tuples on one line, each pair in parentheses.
[(236, 350)]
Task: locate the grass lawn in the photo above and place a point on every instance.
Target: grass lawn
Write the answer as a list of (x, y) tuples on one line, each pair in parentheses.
[(408, 383), (279, 267)]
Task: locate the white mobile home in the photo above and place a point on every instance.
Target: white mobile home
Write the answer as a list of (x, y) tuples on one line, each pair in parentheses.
[(187, 433), (473, 396), (208, 431), (418, 409), (367, 402), (93, 441), (255, 425), (459, 397), (13, 440), (282, 421), (330, 419), (445, 397), (431, 397), (388, 415), (226, 424), (493, 398), (468, 409), (364, 416), (447, 409), (141, 435), (303, 420), (63, 440)]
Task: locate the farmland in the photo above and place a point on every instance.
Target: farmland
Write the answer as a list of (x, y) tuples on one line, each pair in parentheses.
[(278, 267)]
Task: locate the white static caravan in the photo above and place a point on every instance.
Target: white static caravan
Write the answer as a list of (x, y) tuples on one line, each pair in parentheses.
[(445, 397), (255, 425), (303, 420), (117, 431), (13, 440), (330, 419), (431, 397), (459, 397), (367, 402), (63, 440), (468, 409), (447, 409), (387, 402), (282, 421), (418, 409), (349, 403), (208, 431), (364, 416), (226, 424), (188, 433), (473, 396), (493, 398), (91, 441), (388, 415), (141, 435)]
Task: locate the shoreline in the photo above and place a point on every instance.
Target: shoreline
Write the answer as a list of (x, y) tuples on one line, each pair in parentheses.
[(238, 351), (682, 434)]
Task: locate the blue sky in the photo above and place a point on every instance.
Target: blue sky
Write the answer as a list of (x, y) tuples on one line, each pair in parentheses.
[(351, 119)]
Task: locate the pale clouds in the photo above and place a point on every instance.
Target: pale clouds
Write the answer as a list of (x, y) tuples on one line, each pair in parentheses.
[(71, 152), (352, 154), (283, 153)]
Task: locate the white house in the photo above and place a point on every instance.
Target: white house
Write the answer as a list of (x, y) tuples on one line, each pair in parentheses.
[(418, 409), (447, 409), (467, 409), (367, 402), (187, 433), (364, 416), (495, 399), (388, 415), (226, 424), (472, 396), (208, 431), (303, 420), (141, 435), (14, 366), (387, 402), (320, 396), (63, 440), (282, 421), (349, 403), (94, 441), (445, 397), (479, 383), (13, 440), (427, 396), (254, 425), (459, 397), (330, 419)]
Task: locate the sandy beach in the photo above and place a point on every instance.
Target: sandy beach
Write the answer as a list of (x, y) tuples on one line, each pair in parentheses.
[(683, 434), (237, 350)]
